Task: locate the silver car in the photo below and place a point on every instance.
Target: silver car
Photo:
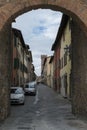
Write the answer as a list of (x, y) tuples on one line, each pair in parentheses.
[(30, 88), (17, 95)]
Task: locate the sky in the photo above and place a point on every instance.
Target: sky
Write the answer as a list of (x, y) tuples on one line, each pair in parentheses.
[(39, 29)]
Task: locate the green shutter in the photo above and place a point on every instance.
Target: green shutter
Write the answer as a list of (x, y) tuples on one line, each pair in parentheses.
[(16, 63)]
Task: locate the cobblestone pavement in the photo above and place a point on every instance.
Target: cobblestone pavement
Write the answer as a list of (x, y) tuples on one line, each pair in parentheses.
[(46, 111)]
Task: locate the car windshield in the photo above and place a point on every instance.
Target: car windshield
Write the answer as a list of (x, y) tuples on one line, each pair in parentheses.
[(26, 86), (13, 90), (16, 91), (31, 86), (32, 83)]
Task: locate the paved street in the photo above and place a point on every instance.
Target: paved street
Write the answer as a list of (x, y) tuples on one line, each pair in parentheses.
[(45, 111)]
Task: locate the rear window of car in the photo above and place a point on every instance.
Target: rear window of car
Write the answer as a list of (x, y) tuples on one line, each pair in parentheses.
[(32, 83), (13, 90), (31, 86), (26, 86), (16, 91)]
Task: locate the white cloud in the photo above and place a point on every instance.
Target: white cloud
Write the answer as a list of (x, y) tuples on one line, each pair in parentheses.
[(51, 32), (39, 29)]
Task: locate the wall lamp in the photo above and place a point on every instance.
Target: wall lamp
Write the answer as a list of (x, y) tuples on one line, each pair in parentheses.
[(68, 50)]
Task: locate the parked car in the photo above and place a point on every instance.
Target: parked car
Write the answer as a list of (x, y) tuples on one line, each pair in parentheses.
[(30, 88), (17, 95)]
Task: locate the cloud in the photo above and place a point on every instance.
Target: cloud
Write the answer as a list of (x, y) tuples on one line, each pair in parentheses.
[(51, 32), (39, 29)]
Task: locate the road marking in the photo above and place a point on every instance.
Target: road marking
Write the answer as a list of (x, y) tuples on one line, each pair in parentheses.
[(36, 98)]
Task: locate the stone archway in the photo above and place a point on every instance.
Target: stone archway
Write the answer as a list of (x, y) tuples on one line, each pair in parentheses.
[(9, 10)]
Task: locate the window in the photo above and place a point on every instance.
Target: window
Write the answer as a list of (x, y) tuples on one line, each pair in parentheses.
[(25, 69), (65, 58), (29, 59), (59, 63), (16, 63)]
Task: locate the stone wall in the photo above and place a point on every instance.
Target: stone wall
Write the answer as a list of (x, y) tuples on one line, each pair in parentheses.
[(79, 70), (5, 71)]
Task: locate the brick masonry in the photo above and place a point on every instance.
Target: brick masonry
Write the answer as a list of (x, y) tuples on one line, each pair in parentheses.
[(79, 70), (5, 70), (9, 10)]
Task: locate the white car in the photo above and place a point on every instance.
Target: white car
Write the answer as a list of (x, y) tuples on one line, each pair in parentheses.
[(17, 95), (30, 88)]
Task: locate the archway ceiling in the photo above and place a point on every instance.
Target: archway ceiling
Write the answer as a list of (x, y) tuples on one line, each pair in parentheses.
[(74, 8)]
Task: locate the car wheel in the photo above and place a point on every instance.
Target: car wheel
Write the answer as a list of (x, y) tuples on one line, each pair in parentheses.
[(34, 94), (23, 103)]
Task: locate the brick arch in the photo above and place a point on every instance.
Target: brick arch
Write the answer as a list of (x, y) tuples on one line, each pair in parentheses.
[(9, 11)]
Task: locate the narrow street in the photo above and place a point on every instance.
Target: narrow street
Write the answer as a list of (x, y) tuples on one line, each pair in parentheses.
[(45, 111)]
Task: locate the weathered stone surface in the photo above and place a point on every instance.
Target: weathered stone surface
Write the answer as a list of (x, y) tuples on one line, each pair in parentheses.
[(5, 70), (13, 8), (79, 68)]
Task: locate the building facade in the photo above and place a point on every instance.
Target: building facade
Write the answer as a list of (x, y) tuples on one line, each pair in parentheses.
[(65, 58), (48, 71), (56, 49), (44, 70), (29, 65), (62, 58), (51, 62), (22, 71), (18, 46), (43, 58)]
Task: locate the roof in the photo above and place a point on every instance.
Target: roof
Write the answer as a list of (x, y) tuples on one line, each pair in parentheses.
[(63, 23), (51, 59), (45, 60)]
